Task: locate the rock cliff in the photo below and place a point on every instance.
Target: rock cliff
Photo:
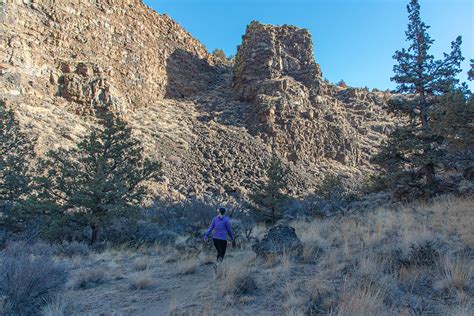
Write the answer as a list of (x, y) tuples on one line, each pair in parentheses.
[(212, 123), (293, 107)]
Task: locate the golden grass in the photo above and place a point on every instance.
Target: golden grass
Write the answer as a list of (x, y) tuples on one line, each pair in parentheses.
[(141, 280), (188, 266), (230, 276), (361, 299)]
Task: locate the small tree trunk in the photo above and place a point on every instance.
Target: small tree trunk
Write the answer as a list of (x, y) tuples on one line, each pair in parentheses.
[(423, 110)]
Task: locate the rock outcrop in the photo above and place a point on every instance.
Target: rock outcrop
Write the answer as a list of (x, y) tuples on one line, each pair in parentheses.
[(267, 53), (292, 106), (211, 123), (279, 240)]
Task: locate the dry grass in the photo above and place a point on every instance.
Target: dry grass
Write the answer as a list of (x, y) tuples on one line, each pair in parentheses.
[(235, 280), (141, 264), (360, 264), (370, 247), (455, 273), (293, 302), (86, 278), (56, 307), (173, 307), (141, 280), (207, 258), (188, 266), (365, 299)]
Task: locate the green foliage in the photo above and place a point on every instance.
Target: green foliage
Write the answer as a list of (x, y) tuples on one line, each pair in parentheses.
[(417, 72), (219, 53), (415, 151), (331, 188), (99, 180), (470, 73), (271, 194), (408, 149), (16, 151), (411, 149), (453, 117)]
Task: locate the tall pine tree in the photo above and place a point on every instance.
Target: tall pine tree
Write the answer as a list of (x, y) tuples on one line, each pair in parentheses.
[(100, 179), (417, 72), (413, 152)]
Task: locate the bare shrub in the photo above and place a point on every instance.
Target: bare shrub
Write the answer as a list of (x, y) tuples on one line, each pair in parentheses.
[(28, 276), (423, 254), (88, 278), (141, 280)]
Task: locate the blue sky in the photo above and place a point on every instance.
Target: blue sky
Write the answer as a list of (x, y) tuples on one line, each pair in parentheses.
[(353, 40)]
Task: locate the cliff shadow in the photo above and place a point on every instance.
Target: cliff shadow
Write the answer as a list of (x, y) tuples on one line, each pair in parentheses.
[(187, 75), (209, 86)]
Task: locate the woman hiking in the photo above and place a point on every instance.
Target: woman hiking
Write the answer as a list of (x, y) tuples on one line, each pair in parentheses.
[(221, 226)]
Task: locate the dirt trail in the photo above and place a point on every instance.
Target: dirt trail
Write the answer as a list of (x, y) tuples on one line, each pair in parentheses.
[(168, 291), (185, 293)]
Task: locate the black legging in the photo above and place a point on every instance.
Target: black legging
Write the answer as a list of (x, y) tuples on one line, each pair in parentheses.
[(220, 245)]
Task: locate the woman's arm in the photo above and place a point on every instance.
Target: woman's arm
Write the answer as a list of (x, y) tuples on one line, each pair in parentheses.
[(209, 230), (228, 227)]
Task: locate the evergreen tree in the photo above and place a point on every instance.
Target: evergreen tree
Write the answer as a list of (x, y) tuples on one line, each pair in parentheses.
[(453, 116), (470, 73), (270, 195), (414, 151), (16, 151), (100, 179), (417, 72)]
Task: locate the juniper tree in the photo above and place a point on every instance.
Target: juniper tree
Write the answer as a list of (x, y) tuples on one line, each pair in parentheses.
[(16, 152), (270, 194), (100, 179), (417, 72), (414, 151)]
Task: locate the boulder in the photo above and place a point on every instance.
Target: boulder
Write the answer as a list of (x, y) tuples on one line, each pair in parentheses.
[(279, 240)]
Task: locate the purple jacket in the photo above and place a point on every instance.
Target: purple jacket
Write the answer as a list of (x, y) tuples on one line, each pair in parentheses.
[(221, 227)]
